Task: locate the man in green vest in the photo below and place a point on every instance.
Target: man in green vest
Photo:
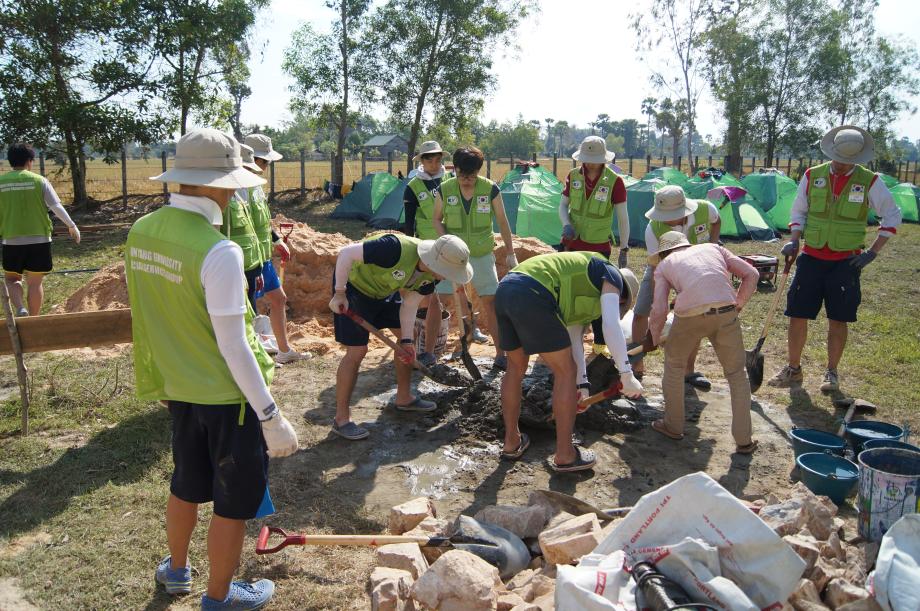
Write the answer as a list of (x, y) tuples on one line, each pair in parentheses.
[(700, 222), (237, 226), (195, 350), (270, 241), (383, 279), (467, 206), (830, 211), (543, 306), (25, 199), (418, 203)]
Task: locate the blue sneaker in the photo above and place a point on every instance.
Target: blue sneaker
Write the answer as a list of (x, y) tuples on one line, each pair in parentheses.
[(242, 596), (176, 581)]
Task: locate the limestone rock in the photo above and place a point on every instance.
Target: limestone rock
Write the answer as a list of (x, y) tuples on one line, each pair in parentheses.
[(538, 586), (863, 604), (824, 570), (403, 556), (559, 518), (390, 590), (805, 591), (410, 514), (570, 540), (840, 592), (431, 527), (810, 606), (833, 548), (521, 579), (870, 552), (806, 547), (856, 567), (802, 509), (525, 521), (547, 602), (509, 600), (459, 580)]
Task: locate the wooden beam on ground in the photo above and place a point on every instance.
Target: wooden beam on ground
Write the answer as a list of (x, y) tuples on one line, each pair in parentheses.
[(63, 331), (94, 228)]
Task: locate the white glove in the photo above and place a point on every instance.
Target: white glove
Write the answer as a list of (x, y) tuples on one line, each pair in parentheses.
[(279, 436), (511, 260), (74, 234), (339, 303), (632, 388), (583, 393)]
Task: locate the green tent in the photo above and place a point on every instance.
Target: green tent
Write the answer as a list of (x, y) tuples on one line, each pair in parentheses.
[(391, 213), (697, 187), (640, 197), (775, 193), (671, 176), (744, 220), (531, 195), (366, 197), (889, 180), (905, 196)]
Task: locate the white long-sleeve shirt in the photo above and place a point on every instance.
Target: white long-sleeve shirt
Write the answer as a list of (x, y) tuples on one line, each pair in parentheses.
[(53, 202)]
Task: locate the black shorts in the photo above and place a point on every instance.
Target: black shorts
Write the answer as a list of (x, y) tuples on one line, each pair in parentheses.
[(528, 316), (833, 283), (19, 258), (218, 459), (381, 313)]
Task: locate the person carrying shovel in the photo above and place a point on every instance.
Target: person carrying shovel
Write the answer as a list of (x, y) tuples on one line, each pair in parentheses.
[(383, 279), (543, 306), (195, 350), (707, 305)]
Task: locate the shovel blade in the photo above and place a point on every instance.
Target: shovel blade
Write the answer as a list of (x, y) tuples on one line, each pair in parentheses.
[(465, 355), (754, 362), (499, 547)]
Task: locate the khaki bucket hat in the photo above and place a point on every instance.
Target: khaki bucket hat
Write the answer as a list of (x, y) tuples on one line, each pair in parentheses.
[(448, 256), (848, 144), (209, 158), (593, 149), (262, 147), (427, 148), (631, 285), (672, 240), (671, 204), (249, 161)]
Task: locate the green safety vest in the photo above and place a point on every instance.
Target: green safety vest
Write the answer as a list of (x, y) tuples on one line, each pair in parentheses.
[(261, 217), (238, 227), (175, 351), (473, 227), (380, 282), (699, 231), (424, 217), (565, 275), (838, 222), (592, 218), (22, 205)]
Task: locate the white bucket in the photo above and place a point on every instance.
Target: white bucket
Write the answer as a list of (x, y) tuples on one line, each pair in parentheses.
[(889, 487), (441, 342)]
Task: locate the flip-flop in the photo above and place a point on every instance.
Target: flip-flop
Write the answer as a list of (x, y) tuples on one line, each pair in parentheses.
[(584, 460), (659, 426), (522, 447), (748, 449), (698, 380), (417, 405)]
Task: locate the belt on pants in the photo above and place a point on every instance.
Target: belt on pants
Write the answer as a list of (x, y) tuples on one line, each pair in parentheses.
[(722, 310)]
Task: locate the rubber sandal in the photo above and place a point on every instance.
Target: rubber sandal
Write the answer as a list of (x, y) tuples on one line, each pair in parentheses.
[(748, 449), (349, 431), (522, 447), (584, 461), (698, 380), (417, 405), (659, 426)]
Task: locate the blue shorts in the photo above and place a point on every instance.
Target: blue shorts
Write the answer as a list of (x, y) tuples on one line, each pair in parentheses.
[(528, 316), (270, 278), (835, 284), (218, 459), (381, 313)]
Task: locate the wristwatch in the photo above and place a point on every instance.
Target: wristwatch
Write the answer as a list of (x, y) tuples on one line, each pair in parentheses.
[(406, 341), (585, 385)]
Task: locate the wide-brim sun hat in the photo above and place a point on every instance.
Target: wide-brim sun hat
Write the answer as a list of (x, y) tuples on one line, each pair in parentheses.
[(671, 204), (631, 287), (669, 241), (593, 149), (449, 257), (262, 147), (249, 161), (209, 158), (429, 147), (848, 144)]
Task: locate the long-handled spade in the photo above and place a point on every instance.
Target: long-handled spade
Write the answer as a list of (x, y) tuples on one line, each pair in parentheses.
[(754, 359), (286, 230), (466, 331)]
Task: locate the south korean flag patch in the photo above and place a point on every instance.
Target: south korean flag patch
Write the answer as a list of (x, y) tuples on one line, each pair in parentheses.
[(602, 193), (820, 183), (857, 194), (423, 196), (700, 229), (399, 274), (576, 184)]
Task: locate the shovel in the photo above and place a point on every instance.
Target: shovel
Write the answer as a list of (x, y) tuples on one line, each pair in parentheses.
[(575, 506), (466, 329), (497, 546), (286, 230), (587, 402), (753, 358)]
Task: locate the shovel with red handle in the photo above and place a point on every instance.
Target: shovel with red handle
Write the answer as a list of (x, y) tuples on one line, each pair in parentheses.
[(286, 230), (587, 402)]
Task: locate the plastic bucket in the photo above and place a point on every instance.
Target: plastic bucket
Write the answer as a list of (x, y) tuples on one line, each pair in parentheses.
[(859, 432), (441, 342), (813, 440), (889, 443), (828, 474), (889, 487)]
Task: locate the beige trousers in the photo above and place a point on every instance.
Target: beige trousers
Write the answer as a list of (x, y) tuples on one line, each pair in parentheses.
[(724, 333)]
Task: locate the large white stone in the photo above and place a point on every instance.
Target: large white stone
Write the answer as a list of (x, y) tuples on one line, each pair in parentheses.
[(806, 547), (824, 570), (459, 580), (403, 556), (410, 514), (840, 592), (390, 590), (523, 521), (805, 591), (431, 527), (569, 541)]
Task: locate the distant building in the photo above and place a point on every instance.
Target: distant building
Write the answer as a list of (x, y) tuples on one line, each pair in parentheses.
[(381, 146)]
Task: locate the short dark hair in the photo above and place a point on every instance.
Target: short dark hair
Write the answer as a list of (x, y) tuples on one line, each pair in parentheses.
[(20, 154), (468, 160)]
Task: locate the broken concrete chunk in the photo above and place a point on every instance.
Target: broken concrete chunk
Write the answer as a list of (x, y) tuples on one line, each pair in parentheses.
[(870, 552), (403, 556), (802, 509), (523, 521), (569, 541), (806, 547), (410, 514), (805, 591), (459, 580), (559, 518), (840, 592), (807, 605), (390, 590)]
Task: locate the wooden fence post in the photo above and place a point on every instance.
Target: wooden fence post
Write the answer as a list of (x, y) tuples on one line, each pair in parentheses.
[(271, 172), (533, 156), (710, 161), (165, 185), (510, 162), (696, 161), (488, 167), (363, 164), (899, 171), (680, 161), (331, 167), (389, 162), (17, 352), (789, 166), (753, 164), (630, 165), (124, 175), (915, 172), (555, 162), (664, 161), (809, 161), (648, 162), (41, 162), (303, 172), (573, 163)]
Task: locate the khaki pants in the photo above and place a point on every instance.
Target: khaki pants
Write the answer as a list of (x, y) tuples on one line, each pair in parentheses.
[(724, 333)]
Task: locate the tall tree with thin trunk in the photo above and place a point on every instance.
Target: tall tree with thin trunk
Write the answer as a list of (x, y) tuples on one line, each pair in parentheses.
[(672, 118), (648, 109), (843, 54)]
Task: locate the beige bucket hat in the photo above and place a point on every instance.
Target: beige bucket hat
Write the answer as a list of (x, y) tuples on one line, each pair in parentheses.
[(249, 161), (672, 240), (631, 284), (427, 148), (848, 144), (448, 256), (262, 147), (593, 149), (209, 158), (671, 204)]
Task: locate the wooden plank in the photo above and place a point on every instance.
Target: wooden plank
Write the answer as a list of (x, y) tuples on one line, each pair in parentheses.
[(58, 230), (78, 330)]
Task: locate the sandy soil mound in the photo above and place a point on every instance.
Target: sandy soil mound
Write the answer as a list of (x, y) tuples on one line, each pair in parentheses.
[(106, 290)]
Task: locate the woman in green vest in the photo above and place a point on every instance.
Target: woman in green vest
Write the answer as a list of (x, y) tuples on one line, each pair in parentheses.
[(543, 306), (468, 206), (237, 226)]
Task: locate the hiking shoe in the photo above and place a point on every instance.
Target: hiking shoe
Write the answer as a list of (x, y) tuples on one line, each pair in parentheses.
[(176, 581), (479, 337), (242, 596), (427, 359), (417, 404), (22, 312), (349, 430), (831, 381), (291, 356), (501, 362), (787, 377)]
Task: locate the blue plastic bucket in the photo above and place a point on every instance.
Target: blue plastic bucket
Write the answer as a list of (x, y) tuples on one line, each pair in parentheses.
[(813, 440), (828, 474), (889, 443), (859, 432), (889, 487)]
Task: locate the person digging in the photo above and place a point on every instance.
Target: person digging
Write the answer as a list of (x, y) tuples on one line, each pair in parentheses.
[(700, 222), (830, 210), (543, 306), (707, 305), (25, 199), (591, 195), (195, 350), (269, 240), (383, 279)]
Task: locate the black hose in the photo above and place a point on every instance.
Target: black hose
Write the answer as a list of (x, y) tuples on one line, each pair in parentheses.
[(661, 593)]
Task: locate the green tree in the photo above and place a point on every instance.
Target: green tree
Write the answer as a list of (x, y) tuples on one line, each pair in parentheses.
[(615, 144), (563, 132), (672, 118), (648, 109), (849, 41), (520, 139), (887, 83)]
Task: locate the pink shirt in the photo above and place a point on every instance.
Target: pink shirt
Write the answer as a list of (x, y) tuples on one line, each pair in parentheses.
[(702, 277)]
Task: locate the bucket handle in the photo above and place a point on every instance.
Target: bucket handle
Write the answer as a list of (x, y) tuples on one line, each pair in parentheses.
[(830, 475)]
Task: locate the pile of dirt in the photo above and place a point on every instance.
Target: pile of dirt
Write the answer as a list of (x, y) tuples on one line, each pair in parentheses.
[(106, 290)]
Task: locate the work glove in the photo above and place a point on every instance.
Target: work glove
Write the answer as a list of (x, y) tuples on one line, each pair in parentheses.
[(260, 283), (339, 303), (279, 436), (583, 392), (406, 354), (632, 388), (74, 234), (511, 260), (863, 259), (568, 232), (790, 248), (622, 259), (282, 250)]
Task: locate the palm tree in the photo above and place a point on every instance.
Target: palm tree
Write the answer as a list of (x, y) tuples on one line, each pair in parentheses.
[(550, 142), (648, 109)]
